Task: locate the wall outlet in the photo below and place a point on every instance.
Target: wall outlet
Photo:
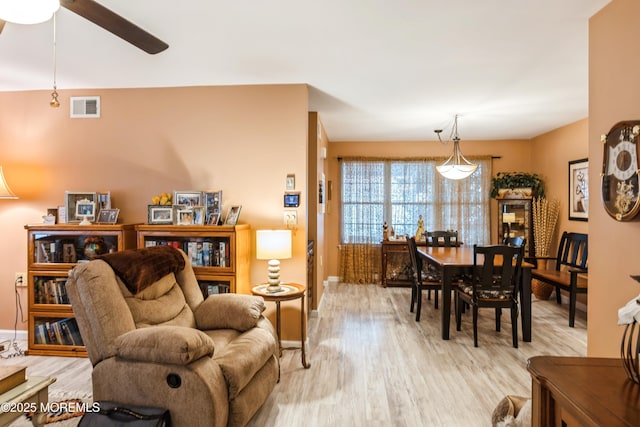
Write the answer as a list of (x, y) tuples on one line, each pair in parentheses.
[(21, 279), (290, 218)]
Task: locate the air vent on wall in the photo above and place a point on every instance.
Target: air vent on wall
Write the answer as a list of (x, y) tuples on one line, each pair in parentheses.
[(85, 107)]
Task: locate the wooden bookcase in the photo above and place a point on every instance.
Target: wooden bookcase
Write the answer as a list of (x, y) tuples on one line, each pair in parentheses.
[(53, 250), (220, 255)]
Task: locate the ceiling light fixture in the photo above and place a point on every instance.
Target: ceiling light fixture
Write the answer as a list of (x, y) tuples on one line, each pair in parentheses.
[(456, 166), (28, 11), (54, 103)]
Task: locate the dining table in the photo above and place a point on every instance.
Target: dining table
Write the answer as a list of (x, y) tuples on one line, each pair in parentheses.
[(453, 261)]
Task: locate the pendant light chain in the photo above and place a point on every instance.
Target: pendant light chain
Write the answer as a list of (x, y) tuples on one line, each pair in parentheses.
[(54, 95)]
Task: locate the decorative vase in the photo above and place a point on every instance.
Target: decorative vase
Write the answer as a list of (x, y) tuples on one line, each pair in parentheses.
[(94, 247), (630, 351)]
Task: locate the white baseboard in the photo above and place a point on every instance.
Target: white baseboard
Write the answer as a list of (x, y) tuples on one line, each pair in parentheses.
[(8, 335)]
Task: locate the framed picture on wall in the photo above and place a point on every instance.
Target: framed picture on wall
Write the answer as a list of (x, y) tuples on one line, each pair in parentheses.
[(579, 190)]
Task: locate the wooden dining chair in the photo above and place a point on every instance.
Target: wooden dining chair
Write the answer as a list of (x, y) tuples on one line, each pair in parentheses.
[(492, 284), (442, 238), (420, 282)]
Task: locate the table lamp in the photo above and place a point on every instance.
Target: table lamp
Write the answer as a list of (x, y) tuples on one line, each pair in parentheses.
[(273, 245), (5, 191)]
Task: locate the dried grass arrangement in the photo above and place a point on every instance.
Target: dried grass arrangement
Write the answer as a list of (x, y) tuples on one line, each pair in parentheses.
[(545, 218)]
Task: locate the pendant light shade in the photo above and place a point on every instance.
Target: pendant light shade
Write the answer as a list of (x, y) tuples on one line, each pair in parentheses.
[(28, 11), (456, 166)]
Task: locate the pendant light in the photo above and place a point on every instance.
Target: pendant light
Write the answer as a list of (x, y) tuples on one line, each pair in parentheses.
[(28, 11), (456, 166), (54, 103)]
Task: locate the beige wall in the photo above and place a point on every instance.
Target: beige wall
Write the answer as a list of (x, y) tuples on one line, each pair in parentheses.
[(614, 94), (242, 140)]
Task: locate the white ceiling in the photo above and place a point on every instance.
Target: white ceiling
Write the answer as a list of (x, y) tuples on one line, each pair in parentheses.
[(377, 70)]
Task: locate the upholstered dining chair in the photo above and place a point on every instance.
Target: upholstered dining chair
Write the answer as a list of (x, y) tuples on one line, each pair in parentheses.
[(493, 284), (420, 282)]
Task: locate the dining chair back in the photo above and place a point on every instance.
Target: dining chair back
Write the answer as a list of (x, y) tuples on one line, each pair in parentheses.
[(442, 238), (493, 283), (420, 279)]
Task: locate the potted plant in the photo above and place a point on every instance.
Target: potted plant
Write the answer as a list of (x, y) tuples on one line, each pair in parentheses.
[(514, 182)]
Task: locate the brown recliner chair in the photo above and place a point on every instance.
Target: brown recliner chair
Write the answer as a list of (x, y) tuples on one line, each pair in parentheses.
[(153, 340)]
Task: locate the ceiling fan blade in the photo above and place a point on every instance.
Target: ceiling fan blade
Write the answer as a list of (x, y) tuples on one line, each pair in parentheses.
[(115, 24), (1, 25)]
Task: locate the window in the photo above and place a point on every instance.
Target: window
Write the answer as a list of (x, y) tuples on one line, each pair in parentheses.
[(399, 191)]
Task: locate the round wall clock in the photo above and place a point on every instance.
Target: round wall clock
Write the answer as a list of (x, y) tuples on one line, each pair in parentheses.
[(620, 171)]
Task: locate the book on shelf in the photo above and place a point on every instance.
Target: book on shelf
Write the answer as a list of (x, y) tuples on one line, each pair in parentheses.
[(201, 252), (50, 290), (60, 332), (11, 376)]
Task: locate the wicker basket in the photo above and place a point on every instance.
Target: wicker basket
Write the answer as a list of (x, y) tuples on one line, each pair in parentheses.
[(541, 290)]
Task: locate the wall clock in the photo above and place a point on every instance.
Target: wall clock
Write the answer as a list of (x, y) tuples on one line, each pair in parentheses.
[(620, 171)]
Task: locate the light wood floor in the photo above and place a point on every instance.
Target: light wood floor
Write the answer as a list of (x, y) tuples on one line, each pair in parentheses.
[(372, 364)]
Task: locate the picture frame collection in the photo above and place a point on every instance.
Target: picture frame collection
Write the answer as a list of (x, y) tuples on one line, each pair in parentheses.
[(95, 206), (193, 208)]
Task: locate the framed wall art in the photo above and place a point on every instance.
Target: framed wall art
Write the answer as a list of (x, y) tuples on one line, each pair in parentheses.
[(71, 200), (579, 190), (160, 214)]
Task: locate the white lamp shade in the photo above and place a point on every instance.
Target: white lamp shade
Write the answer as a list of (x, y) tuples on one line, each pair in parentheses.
[(5, 191), (28, 11), (456, 171), (273, 244)]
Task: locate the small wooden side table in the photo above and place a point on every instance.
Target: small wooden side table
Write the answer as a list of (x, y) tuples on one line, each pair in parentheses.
[(288, 292), (31, 394)]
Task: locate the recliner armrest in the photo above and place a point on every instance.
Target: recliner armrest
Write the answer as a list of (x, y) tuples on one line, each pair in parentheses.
[(178, 345), (229, 311)]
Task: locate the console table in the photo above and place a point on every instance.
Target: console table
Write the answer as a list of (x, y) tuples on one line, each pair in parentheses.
[(582, 391)]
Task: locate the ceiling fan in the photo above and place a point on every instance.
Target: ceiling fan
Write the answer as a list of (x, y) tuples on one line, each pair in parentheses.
[(114, 23)]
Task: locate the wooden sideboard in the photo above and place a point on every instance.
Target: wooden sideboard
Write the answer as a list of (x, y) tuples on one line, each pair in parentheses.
[(582, 391), (395, 263)]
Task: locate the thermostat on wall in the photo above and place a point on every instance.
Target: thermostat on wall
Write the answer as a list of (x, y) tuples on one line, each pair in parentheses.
[(291, 200)]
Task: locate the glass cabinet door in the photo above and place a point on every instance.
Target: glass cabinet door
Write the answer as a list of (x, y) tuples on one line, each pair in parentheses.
[(515, 220)]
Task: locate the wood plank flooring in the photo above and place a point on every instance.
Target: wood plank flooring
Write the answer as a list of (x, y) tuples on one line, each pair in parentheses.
[(372, 364)]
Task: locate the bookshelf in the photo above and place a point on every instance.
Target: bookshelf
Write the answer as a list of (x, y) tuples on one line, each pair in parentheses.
[(220, 255), (53, 250)]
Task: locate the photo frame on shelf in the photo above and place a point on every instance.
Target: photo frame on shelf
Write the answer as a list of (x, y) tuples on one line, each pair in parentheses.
[(108, 216), (579, 190), (85, 208), (188, 198), (213, 218), (104, 200), (159, 214), (233, 215), (71, 200), (62, 215), (199, 214), (68, 252), (183, 215), (213, 202)]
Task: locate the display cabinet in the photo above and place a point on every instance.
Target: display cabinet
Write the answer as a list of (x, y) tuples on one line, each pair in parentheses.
[(515, 219), (220, 255), (53, 250)]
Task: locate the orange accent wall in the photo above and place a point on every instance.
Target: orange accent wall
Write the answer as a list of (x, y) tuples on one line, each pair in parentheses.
[(614, 95), (243, 140)]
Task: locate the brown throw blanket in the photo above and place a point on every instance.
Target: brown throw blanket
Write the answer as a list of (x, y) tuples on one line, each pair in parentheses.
[(140, 268)]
